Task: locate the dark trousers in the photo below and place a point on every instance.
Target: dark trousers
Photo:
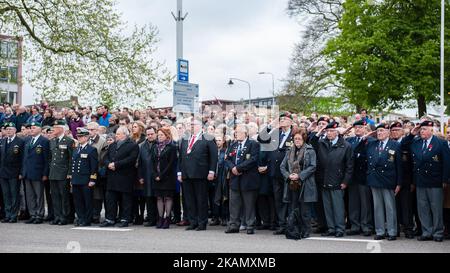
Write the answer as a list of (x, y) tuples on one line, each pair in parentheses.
[(152, 210), (247, 200), (98, 201), (183, 204), (446, 221), (212, 207), (60, 198), (48, 199), (113, 198), (360, 211), (266, 209), (82, 197), (305, 212), (404, 204), (176, 207), (2, 204), (196, 193), (10, 190), (281, 208), (138, 207), (35, 198)]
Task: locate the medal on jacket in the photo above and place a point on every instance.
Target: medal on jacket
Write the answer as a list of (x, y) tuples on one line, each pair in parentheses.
[(436, 158), (16, 149), (39, 149), (391, 155)]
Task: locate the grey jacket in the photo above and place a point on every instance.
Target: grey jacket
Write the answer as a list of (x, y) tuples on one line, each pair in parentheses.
[(308, 183)]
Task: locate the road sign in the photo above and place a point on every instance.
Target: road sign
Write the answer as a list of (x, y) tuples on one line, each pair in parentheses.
[(185, 97), (183, 70)]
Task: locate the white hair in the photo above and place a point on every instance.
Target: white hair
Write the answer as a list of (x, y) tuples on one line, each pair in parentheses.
[(124, 130)]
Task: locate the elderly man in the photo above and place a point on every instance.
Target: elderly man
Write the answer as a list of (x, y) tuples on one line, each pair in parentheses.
[(431, 161), (336, 166), (35, 171), (11, 157), (243, 162), (21, 117), (121, 176), (61, 148), (99, 143)]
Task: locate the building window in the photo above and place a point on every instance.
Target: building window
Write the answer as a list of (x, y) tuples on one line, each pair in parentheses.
[(13, 74), (3, 49), (3, 74), (12, 51)]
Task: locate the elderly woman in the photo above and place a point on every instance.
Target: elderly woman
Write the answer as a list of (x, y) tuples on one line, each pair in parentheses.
[(298, 169)]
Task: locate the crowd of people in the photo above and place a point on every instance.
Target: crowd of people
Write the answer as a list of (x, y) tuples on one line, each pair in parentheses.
[(244, 169)]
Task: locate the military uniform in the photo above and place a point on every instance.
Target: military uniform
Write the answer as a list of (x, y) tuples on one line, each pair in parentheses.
[(384, 174), (431, 161), (84, 168), (61, 149), (11, 157)]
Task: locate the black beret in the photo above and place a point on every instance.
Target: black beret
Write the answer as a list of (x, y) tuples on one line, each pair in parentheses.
[(323, 119), (396, 124), (427, 123), (332, 125), (383, 125), (286, 115), (360, 122)]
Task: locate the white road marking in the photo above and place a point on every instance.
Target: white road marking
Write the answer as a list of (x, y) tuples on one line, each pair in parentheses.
[(344, 239), (102, 229)]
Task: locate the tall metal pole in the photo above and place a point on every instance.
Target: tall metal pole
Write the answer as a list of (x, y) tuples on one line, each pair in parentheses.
[(249, 90), (442, 63), (273, 85), (179, 19)]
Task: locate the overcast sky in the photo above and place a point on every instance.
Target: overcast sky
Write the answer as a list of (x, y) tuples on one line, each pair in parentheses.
[(222, 39)]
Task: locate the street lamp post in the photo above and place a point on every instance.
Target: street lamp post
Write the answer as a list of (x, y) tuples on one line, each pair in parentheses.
[(273, 85), (442, 63), (230, 83)]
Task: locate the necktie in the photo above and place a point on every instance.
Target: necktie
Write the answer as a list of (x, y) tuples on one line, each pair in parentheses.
[(238, 154), (9, 140), (358, 139), (448, 144), (32, 142), (424, 146), (380, 147), (79, 149), (281, 139), (191, 143)]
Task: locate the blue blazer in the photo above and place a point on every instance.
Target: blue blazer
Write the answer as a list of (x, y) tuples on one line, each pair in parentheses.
[(84, 165), (359, 175), (36, 159), (432, 168), (384, 169), (247, 165)]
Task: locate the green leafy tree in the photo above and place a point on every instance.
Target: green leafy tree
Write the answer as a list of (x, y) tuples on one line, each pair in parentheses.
[(82, 48), (388, 53)]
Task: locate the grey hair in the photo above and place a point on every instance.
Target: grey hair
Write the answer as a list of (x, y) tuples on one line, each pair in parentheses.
[(124, 130)]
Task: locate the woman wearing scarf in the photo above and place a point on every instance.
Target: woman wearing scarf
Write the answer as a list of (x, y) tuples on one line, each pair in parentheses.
[(298, 169), (164, 155)]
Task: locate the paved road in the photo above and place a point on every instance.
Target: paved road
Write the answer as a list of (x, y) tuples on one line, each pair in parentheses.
[(45, 238)]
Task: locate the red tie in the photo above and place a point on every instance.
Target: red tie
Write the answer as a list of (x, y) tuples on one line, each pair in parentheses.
[(191, 143)]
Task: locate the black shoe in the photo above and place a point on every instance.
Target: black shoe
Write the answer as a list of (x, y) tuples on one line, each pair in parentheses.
[(339, 234), (328, 233), (367, 233), (250, 231), (85, 224), (263, 227), (96, 221), (107, 224), (353, 232), (438, 239), (38, 221), (201, 227), (392, 238), (54, 222), (150, 224), (6, 220), (191, 227), (232, 230), (273, 228), (123, 224), (30, 221), (320, 230), (409, 235), (14, 220), (424, 238), (379, 237), (49, 218), (62, 223), (305, 235), (215, 222), (279, 231), (138, 221)]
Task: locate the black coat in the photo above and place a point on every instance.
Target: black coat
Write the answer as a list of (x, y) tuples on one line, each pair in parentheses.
[(335, 164), (167, 172), (359, 160), (266, 187), (122, 179), (11, 157), (201, 159), (247, 165), (145, 166)]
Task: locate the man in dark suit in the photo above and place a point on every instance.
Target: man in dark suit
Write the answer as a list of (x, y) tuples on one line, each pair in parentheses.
[(243, 162), (384, 177), (121, 177), (360, 196), (83, 176), (61, 148), (277, 141), (197, 165), (431, 172), (35, 170), (11, 157)]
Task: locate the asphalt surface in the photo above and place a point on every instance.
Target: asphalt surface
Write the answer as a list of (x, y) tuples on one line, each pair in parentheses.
[(45, 238)]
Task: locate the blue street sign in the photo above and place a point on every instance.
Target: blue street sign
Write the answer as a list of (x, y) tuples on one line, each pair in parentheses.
[(185, 97), (183, 70)]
